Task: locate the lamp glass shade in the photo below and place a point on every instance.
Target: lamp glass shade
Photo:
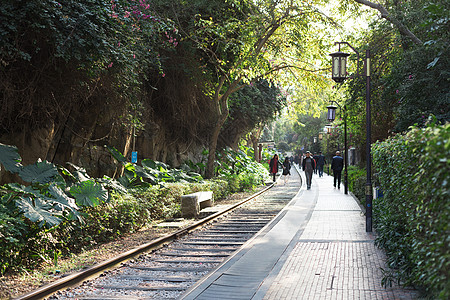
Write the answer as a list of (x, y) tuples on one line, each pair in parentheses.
[(331, 114), (320, 136), (339, 66)]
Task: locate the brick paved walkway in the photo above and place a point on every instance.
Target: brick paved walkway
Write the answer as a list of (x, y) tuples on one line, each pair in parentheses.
[(317, 248), (334, 258)]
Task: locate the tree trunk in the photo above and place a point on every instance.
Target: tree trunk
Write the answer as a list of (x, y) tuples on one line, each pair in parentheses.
[(254, 138), (221, 103), (255, 148), (213, 145)]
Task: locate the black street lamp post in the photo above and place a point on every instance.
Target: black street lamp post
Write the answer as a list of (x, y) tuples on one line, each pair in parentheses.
[(339, 74), (368, 154), (331, 116)]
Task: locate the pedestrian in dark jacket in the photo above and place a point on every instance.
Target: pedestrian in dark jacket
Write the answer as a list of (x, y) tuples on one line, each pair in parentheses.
[(320, 163), (308, 165), (337, 164), (286, 169), (273, 166), (315, 157)]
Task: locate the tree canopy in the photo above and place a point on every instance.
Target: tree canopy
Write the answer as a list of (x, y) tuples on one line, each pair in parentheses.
[(159, 66)]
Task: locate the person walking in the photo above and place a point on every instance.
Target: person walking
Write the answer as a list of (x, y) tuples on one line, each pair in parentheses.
[(315, 157), (286, 169), (337, 164), (320, 163), (308, 165), (273, 166)]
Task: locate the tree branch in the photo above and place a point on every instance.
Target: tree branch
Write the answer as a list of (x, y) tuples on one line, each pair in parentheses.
[(278, 68), (385, 14)]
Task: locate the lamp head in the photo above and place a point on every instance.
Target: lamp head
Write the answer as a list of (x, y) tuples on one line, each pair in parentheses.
[(331, 114), (339, 66)]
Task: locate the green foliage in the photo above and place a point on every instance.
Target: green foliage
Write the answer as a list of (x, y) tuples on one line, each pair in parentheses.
[(283, 146), (152, 172), (419, 78), (257, 103), (237, 43), (94, 50), (41, 202), (89, 193), (266, 156), (10, 158), (413, 215), (41, 221), (409, 82), (357, 182), (253, 105), (219, 187), (62, 199), (12, 237), (123, 214), (116, 154), (238, 170), (231, 163), (40, 172), (37, 211), (92, 32), (40, 207), (128, 212)]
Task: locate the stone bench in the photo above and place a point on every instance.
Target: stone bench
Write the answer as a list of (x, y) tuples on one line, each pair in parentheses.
[(192, 204)]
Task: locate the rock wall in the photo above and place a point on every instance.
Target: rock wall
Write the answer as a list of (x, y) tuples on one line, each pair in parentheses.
[(80, 138)]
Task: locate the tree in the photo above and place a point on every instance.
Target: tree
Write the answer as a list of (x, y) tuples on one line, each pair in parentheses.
[(408, 80), (388, 16), (70, 71), (56, 56), (255, 43), (250, 108)]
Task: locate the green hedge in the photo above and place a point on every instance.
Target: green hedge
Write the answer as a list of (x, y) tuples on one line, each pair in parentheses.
[(357, 182), (413, 215)]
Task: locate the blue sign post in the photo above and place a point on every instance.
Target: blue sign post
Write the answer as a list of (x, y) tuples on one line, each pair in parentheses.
[(134, 157)]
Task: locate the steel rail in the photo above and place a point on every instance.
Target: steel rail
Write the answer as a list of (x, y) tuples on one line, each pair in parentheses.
[(78, 277)]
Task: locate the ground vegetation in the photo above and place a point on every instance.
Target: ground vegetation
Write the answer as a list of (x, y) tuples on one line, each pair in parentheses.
[(58, 212)]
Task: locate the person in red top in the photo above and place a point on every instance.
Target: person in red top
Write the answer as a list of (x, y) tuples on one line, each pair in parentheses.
[(273, 166)]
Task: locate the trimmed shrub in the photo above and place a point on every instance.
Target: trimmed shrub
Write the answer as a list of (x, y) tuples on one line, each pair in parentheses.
[(412, 217), (357, 182)]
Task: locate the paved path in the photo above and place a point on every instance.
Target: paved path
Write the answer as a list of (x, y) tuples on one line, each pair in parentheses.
[(316, 248)]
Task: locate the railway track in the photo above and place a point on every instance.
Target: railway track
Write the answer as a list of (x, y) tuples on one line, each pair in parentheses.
[(171, 268)]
